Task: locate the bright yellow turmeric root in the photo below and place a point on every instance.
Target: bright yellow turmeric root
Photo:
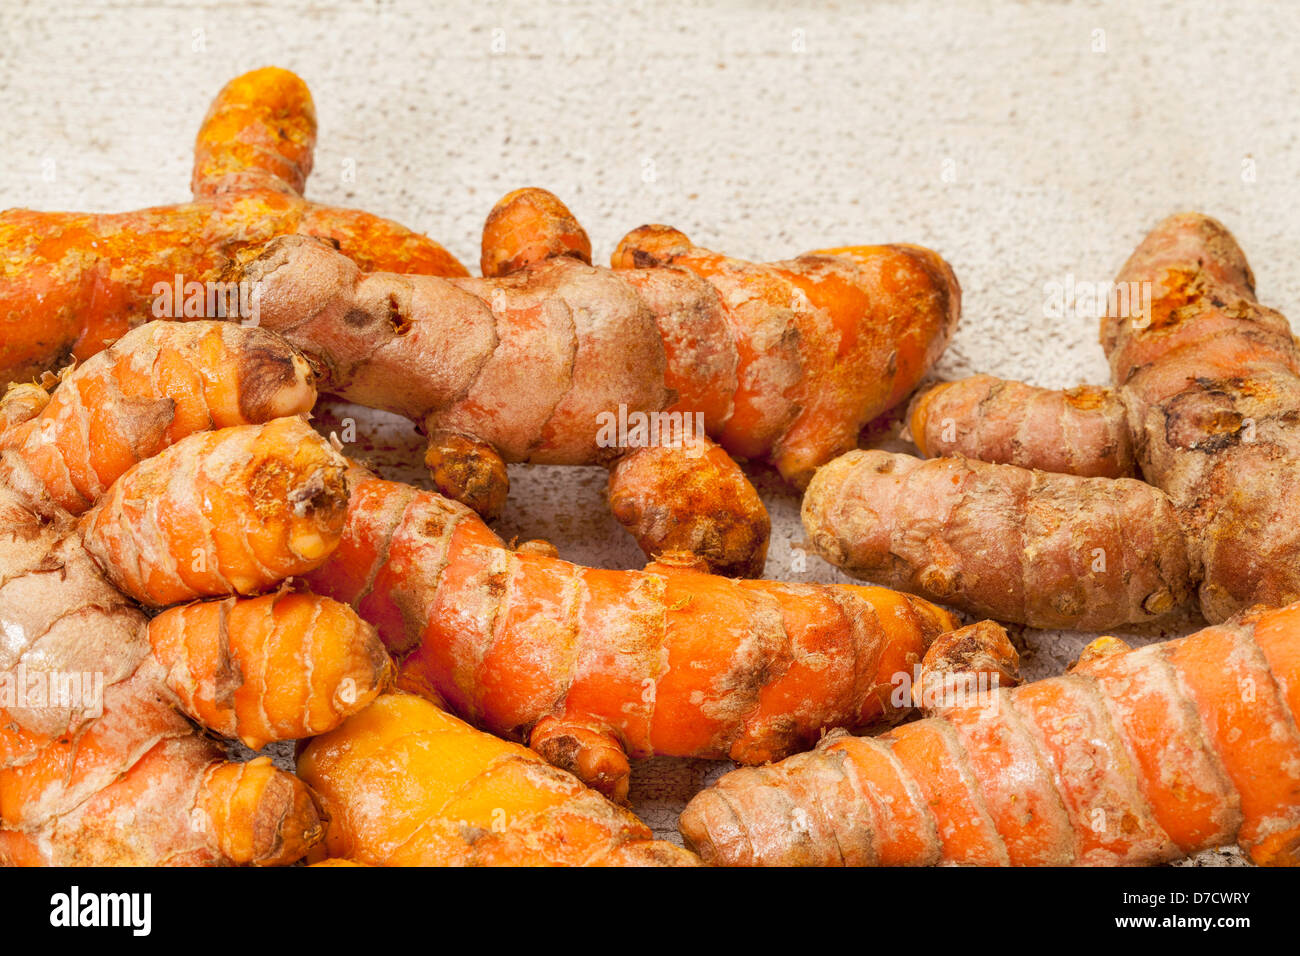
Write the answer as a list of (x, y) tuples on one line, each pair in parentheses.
[(406, 784)]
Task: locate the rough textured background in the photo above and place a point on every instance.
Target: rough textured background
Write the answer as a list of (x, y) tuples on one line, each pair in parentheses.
[(1026, 142)]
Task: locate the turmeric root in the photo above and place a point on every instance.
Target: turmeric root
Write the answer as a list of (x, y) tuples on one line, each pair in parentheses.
[(693, 498), (88, 733), (1082, 431), (1209, 380), (527, 227), (90, 730), (1136, 757), (264, 669), (232, 511), (187, 808), (227, 800), (957, 662), (564, 363), (405, 784), (72, 283), (237, 665), (592, 664), (63, 796), (1048, 550), (158, 383), (824, 343)]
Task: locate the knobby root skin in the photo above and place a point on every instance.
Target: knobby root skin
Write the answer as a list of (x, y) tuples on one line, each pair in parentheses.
[(406, 784), (157, 384), (278, 667), (784, 361), (1136, 757), (228, 512), (1210, 379), (957, 661), (691, 497), (261, 815), (468, 471), (668, 660), (999, 541), (529, 226), (97, 765), (73, 283), (1082, 431)]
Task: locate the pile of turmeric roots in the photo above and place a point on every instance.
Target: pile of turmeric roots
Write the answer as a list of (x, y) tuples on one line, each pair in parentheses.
[(184, 560)]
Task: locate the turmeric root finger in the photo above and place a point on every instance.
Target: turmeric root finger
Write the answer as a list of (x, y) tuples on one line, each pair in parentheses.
[(592, 753), (279, 667), (405, 784), (1082, 431), (1136, 757), (826, 342), (999, 541), (468, 471), (691, 496), (158, 384), (228, 512), (1211, 379), (22, 402), (529, 226), (73, 283), (260, 133), (258, 814), (669, 660)]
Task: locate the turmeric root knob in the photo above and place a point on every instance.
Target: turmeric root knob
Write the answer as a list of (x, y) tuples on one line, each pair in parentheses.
[(279, 667), (258, 814), (229, 512), (529, 226), (588, 754), (955, 663), (692, 498), (468, 471)]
